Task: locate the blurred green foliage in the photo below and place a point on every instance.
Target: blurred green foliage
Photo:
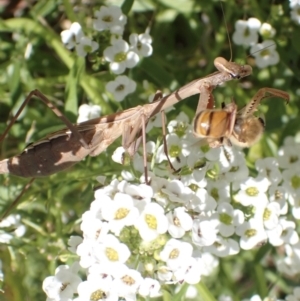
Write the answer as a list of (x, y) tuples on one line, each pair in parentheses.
[(187, 36)]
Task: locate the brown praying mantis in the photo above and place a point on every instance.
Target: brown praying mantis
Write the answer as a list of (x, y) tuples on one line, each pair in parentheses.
[(64, 148)]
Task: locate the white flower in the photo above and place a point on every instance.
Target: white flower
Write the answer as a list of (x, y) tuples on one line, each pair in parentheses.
[(295, 13), (180, 125), (233, 164), (120, 56), (93, 227), (287, 235), (120, 213), (64, 283), (289, 155), (111, 251), (177, 151), (127, 176), (268, 168), (74, 242), (294, 3), (108, 190), (190, 272), (209, 263), (175, 253), (204, 231), (267, 31), (127, 282), (197, 177), (291, 184), (86, 45), (72, 36), (265, 54), (251, 233), (164, 273), (16, 228), (179, 222), (152, 222), (97, 287), (246, 32), (139, 193), (290, 265), (202, 201), (278, 195), (219, 190), (121, 87), (253, 192), (87, 112), (223, 247), (177, 192), (141, 44), (110, 18), (295, 296), (228, 218), (149, 288), (118, 155), (271, 215)]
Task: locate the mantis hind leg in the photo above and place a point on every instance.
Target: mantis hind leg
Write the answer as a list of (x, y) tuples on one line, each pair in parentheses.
[(57, 112)]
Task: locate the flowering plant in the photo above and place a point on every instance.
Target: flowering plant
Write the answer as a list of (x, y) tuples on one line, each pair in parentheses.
[(203, 230)]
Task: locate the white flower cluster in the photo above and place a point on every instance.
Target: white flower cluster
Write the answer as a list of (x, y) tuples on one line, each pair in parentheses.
[(295, 10), (120, 54), (11, 227), (86, 112), (74, 37), (246, 34), (139, 237)]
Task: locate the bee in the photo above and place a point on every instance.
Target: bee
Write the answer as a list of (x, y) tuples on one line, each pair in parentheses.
[(228, 125)]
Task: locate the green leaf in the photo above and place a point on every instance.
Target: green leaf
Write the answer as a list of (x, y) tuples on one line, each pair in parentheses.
[(126, 6), (43, 8), (161, 76), (71, 104), (204, 292)]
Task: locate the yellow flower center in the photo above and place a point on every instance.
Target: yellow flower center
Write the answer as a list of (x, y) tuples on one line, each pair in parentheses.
[(120, 57), (225, 218), (151, 221), (295, 181), (252, 191), (267, 214), (250, 232), (128, 280), (112, 254), (97, 295), (121, 213), (174, 254)]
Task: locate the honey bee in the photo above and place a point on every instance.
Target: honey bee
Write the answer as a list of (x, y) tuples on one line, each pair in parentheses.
[(229, 125)]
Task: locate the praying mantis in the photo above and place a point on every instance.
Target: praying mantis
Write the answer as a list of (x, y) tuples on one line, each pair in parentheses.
[(64, 148)]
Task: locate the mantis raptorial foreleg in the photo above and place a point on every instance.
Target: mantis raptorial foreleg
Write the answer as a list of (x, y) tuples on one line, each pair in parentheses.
[(51, 106)]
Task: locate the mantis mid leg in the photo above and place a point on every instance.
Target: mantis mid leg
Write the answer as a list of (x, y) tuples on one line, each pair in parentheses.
[(158, 95), (132, 137)]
